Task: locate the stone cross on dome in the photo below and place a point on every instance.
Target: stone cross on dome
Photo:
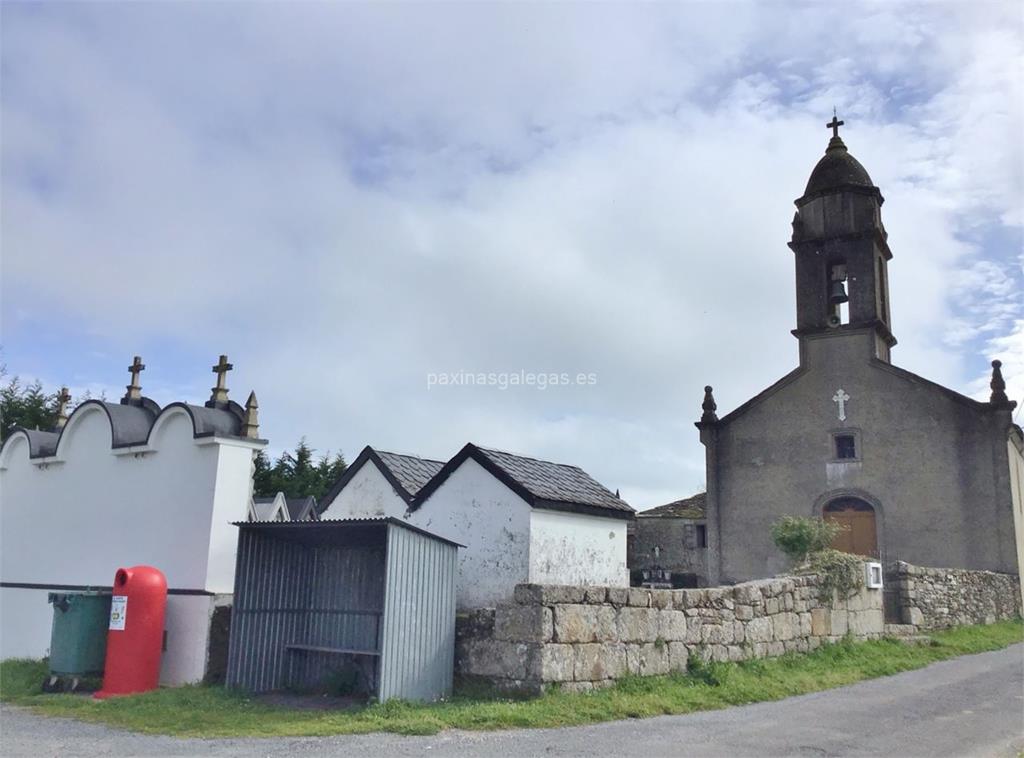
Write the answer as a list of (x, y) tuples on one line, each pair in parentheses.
[(134, 389), (220, 392), (834, 125)]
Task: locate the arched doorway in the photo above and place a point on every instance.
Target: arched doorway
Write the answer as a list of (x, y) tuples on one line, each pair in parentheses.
[(860, 535)]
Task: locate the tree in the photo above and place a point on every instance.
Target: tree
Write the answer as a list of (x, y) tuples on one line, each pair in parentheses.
[(27, 406), (297, 474), (801, 536)]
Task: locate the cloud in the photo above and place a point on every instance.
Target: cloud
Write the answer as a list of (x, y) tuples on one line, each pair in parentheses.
[(347, 198)]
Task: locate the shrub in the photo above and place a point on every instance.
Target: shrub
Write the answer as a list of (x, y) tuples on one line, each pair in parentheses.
[(838, 571), (800, 536)]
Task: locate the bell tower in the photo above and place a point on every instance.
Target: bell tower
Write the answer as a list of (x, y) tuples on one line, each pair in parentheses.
[(841, 251)]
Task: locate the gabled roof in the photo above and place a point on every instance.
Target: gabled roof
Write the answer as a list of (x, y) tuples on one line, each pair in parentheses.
[(268, 508), (301, 508), (542, 484), (689, 507), (405, 473), (289, 508)]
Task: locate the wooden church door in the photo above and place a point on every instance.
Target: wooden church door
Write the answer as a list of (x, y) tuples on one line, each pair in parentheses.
[(859, 536)]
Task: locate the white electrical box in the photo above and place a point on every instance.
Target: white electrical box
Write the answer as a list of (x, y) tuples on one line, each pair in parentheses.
[(873, 580)]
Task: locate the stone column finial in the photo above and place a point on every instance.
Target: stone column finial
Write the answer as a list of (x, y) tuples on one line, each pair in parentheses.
[(998, 385), (709, 407), (134, 393), (62, 408), (219, 393), (251, 421)]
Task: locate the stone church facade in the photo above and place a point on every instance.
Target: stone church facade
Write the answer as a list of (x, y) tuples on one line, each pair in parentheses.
[(916, 471)]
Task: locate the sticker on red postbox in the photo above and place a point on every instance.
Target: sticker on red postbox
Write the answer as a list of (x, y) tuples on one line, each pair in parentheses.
[(118, 612)]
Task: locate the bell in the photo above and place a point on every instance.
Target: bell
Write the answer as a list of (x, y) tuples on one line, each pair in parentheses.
[(837, 293)]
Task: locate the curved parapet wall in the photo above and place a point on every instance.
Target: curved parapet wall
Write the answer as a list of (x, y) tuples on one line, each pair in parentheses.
[(131, 425), (123, 484)]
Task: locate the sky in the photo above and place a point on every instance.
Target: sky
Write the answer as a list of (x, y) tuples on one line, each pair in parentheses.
[(362, 204)]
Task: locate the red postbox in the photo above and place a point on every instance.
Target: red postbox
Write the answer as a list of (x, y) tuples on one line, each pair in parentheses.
[(136, 632)]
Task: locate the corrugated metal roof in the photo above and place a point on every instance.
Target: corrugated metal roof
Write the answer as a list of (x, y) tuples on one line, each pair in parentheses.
[(557, 482), (355, 521)]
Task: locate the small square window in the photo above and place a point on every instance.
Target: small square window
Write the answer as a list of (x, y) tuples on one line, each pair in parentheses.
[(846, 446), (701, 534)]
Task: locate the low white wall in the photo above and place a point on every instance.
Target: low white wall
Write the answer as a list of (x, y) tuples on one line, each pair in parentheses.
[(474, 509), (572, 548), (367, 494), (28, 622)]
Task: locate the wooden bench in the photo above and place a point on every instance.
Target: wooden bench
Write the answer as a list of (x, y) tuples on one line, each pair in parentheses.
[(367, 668)]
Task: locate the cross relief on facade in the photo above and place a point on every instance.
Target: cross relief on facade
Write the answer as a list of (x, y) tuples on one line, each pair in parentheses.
[(841, 397)]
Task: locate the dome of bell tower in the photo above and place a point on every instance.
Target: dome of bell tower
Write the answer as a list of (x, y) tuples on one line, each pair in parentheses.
[(837, 169)]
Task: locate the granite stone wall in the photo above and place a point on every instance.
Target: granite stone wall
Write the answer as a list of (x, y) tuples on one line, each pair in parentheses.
[(586, 637), (931, 598)]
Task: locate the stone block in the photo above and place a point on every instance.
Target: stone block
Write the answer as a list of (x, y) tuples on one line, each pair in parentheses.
[(647, 659), (782, 626), (839, 624), (661, 598), (551, 663), (679, 600), (744, 612), (522, 623), (776, 649), (638, 624), (804, 622), (639, 597), (594, 661), (759, 630), (737, 653), (739, 633), (866, 622), (716, 634), (719, 652), (787, 601), (693, 630), (820, 622), (577, 688), (496, 658), (747, 593), (547, 594), (678, 656), (584, 623), (618, 595), (772, 606), (528, 594), (671, 625), (595, 595)]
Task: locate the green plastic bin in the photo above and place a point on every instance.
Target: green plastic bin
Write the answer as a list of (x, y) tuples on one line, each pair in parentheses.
[(78, 642)]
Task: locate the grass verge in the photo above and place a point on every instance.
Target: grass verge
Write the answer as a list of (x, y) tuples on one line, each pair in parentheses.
[(206, 711)]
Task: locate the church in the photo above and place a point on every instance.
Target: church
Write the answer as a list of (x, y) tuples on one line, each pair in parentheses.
[(916, 471)]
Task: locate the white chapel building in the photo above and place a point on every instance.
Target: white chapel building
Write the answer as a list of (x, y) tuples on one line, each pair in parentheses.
[(520, 519)]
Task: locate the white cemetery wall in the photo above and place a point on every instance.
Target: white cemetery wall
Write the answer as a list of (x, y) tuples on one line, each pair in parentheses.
[(574, 548), (367, 494), (89, 510), (474, 509)]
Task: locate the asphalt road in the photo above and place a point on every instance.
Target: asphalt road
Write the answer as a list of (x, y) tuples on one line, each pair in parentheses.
[(970, 706)]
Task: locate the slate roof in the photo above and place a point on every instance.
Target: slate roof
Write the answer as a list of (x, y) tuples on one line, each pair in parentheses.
[(264, 508), (542, 484), (299, 508), (410, 471), (556, 481), (689, 507), (406, 473)]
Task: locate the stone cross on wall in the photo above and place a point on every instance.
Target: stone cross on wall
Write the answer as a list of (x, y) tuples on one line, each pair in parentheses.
[(135, 389), (62, 407), (841, 397), (220, 392)]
